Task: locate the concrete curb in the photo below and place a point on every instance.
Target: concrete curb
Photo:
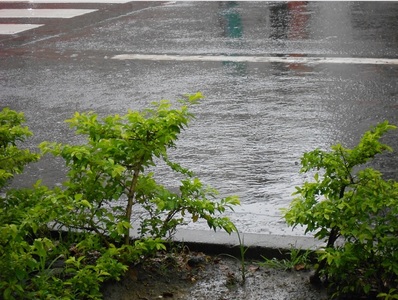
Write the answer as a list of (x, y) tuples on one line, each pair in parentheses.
[(258, 244)]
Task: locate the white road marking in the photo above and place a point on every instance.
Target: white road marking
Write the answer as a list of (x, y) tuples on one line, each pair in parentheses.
[(260, 59), (16, 28), (43, 13), (66, 1), (10, 29)]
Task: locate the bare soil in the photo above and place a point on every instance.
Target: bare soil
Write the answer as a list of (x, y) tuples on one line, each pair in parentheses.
[(199, 276)]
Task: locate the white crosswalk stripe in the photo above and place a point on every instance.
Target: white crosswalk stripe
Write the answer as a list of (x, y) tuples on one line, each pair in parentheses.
[(43, 13), (40, 15), (16, 28), (66, 1)]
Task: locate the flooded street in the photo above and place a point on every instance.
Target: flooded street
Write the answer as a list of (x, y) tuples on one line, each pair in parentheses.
[(261, 112)]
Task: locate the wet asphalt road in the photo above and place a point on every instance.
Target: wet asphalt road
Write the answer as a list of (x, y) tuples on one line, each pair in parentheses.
[(257, 118)]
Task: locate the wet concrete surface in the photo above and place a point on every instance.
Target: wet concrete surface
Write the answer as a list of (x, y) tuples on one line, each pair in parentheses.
[(257, 118)]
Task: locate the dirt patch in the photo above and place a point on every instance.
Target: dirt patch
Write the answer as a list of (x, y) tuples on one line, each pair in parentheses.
[(199, 276)]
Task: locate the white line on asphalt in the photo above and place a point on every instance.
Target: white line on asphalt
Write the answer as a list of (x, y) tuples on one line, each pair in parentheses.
[(67, 1), (43, 13), (260, 59), (16, 28)]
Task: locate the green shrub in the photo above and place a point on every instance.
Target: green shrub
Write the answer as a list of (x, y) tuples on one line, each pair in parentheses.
[(107, 177), (21, 255), (113, 165), (12, 158), (356, 206)]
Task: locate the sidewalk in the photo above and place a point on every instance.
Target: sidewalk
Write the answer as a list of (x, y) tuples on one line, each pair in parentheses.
[(258, 244)]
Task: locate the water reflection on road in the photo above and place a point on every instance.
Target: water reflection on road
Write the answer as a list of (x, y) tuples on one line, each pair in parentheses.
[(250, 142)]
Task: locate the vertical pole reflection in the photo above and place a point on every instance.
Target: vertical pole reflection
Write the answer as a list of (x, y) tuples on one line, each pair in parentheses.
[(279, 20), (231, 23), (298, 30), (231, 20), (289, 24), (298, 20)]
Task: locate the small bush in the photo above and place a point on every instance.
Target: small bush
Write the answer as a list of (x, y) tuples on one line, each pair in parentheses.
[(107, 177), (357, 206)]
